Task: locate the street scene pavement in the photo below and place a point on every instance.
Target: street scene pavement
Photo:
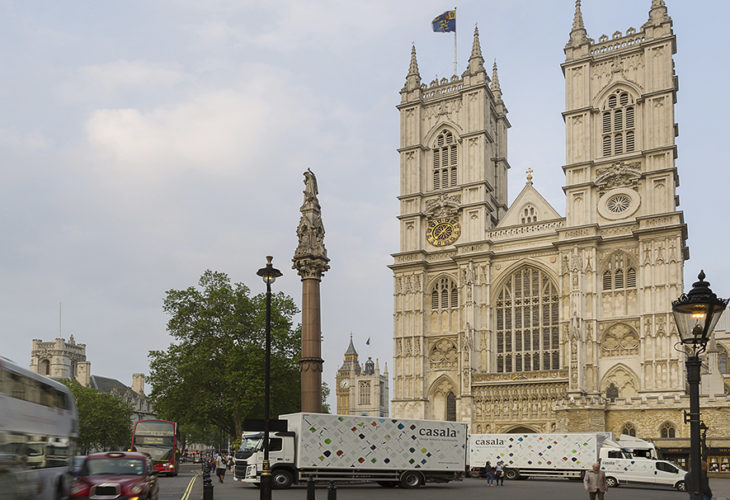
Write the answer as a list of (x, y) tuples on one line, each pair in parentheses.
[(189, 486)]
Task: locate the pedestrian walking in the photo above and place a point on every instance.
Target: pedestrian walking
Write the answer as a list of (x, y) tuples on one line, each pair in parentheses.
[(490, 473), (499, 473), (220, 466), (704, 488), (595, 483)]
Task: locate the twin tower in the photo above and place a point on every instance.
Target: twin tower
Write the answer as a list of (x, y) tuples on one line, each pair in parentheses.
[(512, 317)]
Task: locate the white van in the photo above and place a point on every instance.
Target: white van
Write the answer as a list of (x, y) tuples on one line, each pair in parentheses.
[(642, 470)]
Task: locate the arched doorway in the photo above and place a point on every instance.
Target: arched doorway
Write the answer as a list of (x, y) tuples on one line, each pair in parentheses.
[(521, 430)]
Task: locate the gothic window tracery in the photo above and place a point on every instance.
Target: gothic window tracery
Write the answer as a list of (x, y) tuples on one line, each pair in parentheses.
[(722, 360), (619, 273), (668, 430), (445, 158), (527, 318), (451, 407), (628, 429), (364, 392), (620, 340), (445, 295), (618, 124)]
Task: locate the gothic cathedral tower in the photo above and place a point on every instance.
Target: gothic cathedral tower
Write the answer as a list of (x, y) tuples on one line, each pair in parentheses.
[(453, 164), (515, 318)]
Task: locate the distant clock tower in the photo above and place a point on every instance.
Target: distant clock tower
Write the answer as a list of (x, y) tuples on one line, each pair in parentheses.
[(361, 390)]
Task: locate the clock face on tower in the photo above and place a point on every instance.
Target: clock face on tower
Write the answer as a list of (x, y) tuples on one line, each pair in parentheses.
[(345, 383), (443, 231)]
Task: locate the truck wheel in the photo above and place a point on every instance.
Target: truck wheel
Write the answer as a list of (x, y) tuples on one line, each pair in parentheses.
[(410, 479), (282, 479), (681, 486), (511, 474), (611, 482)]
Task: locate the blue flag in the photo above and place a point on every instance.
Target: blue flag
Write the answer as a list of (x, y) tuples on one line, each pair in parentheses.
[(368, 342), (445, 22)]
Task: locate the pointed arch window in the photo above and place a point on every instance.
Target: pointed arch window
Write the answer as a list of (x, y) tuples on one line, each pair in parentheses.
[(527, 318), (445, 295), (722, 361), (628, 429), (618, 124), (45, 367), (529, 214), (451, 407), (668, 430), (445, 160), (617, 276)]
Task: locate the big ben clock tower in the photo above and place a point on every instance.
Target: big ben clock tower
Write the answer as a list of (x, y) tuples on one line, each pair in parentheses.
[(453, 164)]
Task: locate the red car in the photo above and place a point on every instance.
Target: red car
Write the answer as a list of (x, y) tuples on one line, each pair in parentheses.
[(116, 475)]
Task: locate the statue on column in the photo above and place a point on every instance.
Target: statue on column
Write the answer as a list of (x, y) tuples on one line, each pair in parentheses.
[(311, 262)]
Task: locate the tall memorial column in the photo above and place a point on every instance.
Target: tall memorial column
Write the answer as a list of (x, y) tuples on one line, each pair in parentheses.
[(311, 262)]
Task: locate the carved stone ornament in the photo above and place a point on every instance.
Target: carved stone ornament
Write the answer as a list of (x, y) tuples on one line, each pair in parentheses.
[(310, 258), (443, 206), (620, 340), (443, 354), (619, 174)]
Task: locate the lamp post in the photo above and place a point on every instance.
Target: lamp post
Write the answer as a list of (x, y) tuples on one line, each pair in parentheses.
[(269, 274), (696, 314)]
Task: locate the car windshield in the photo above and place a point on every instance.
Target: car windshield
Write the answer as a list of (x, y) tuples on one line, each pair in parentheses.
[(113, 466)]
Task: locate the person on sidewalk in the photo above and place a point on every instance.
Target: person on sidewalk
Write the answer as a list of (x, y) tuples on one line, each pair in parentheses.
[(499, 473), (220, 466), (595, 483), (489, 470)]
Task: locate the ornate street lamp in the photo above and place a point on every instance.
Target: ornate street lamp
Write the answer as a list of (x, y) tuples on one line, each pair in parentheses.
[(269, 274), (696, 314)]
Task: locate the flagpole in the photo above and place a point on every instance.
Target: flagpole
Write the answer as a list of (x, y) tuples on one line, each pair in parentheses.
[(455, 66)]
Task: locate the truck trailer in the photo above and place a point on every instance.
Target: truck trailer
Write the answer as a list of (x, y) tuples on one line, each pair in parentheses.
[(389, 451)]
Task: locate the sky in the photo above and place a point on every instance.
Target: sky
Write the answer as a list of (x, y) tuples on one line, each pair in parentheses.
[(143, 142)]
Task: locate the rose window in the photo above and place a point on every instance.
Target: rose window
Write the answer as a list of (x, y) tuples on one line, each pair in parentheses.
[(619, 203)]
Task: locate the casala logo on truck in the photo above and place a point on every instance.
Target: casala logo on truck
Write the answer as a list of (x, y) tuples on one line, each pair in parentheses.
[(489, 442), (449, 433)]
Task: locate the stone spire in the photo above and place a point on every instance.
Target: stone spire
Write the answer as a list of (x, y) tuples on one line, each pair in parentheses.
[(578, 35), (413, 78), (476, 61), (310, 258), (658, 13), (496, 89)]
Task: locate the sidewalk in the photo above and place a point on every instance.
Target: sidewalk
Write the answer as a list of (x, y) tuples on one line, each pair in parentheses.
[(720, 488)]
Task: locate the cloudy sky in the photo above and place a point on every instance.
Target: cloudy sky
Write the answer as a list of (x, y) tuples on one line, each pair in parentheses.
[(143, 142)]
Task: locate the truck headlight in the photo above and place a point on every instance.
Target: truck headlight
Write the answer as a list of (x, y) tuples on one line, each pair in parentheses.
[(135, 489)]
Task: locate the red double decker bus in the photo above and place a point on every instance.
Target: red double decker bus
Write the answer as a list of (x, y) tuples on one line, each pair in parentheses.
[(160, 439)]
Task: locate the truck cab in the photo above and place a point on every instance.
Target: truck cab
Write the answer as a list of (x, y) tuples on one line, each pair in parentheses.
[(281, 459)]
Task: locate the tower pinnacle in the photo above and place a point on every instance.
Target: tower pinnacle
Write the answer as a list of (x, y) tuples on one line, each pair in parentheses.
[(413, 78), (476, 61), (496, 89), (578, 34), (658, 13)]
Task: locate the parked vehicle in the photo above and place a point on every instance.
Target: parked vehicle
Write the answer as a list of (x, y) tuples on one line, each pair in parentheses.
[(116, 474), (389, 451), (542, 455), (569, 455), (638, 447), (643, 471)]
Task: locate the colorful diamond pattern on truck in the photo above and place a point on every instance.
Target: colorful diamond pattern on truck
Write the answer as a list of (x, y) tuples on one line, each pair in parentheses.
[(361, 442)]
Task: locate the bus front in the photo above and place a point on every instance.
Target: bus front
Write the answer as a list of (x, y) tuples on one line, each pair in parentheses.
[(159, 439)]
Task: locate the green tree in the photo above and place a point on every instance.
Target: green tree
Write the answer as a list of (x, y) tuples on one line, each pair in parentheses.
[(104, 420), (213, 373)]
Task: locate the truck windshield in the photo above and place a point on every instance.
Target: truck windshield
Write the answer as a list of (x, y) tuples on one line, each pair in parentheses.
[(251, 443)]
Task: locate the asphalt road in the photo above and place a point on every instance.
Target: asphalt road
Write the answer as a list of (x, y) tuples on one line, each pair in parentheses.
[(188, 485)]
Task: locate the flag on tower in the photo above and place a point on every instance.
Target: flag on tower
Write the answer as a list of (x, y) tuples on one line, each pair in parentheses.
[(445, 22), (368, 341)]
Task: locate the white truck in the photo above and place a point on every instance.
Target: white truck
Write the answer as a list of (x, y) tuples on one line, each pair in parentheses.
[(348, 448), (569, 455)]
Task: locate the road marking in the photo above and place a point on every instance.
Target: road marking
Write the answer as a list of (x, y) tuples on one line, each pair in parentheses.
[(189, 489)]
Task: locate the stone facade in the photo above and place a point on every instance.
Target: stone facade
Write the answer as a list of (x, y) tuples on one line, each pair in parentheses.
[(59, 359), (515, 318), (361, 389)]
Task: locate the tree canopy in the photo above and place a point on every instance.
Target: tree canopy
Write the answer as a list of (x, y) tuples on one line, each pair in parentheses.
[(104, 420), (213, 373)]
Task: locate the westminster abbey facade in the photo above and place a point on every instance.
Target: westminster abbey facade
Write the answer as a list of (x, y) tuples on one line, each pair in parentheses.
[(514, 318)]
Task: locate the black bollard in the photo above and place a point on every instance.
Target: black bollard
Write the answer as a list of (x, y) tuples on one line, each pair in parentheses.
[(207, 483), (331, 491), (310, 489)]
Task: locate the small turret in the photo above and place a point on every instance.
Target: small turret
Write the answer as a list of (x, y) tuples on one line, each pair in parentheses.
[(476, 61), (496, 89), (657, 14), (578, 35), (413, 78)]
